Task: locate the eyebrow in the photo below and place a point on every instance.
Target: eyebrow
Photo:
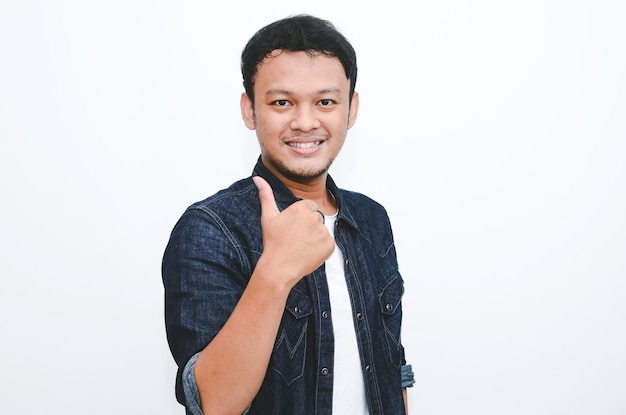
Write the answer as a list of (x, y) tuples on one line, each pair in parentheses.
[(271, 92)]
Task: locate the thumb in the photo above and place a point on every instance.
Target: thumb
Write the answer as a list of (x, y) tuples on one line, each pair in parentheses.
[(266, 196)]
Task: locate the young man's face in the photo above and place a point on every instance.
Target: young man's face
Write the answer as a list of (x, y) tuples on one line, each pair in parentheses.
[(301, 113)]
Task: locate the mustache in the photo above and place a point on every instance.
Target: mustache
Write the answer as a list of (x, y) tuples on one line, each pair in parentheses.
[(307, 136)]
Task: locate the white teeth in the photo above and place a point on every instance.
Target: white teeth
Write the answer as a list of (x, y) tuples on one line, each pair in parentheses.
[(305, 145)]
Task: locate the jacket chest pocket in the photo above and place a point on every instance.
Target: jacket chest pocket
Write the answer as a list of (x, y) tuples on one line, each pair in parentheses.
[(391, 311), (289, 353)]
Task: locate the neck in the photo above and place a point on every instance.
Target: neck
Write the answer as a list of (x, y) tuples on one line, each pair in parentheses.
[(316, 191)]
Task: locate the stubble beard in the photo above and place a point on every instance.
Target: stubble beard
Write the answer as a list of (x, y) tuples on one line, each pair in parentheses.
[(303, 174)]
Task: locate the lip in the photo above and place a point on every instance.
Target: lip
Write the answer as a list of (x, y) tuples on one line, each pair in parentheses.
[(305, 147)]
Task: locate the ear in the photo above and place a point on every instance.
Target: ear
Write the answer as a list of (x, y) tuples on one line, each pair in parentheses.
[(354, 110), (247, 111)]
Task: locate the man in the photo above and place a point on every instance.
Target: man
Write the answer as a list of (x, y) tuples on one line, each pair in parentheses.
[(282, 292)]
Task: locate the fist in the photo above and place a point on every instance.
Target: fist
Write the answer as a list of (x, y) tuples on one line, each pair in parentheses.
[(295, 241)]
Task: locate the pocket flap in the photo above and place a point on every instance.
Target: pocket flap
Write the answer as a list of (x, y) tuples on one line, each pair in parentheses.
[(391, 295), (298, 304)]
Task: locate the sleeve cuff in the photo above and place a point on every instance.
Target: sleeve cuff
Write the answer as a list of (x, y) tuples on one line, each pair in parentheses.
[(407, 377), (190, 388)]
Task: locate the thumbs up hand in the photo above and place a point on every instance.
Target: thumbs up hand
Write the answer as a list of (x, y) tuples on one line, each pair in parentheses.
[(295, 241)]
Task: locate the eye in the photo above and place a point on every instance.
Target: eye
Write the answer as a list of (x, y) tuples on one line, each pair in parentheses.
[(326, 102), (281, 103)]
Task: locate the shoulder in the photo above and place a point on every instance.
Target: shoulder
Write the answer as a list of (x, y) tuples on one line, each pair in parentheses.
[(236, 205), (240, 192)]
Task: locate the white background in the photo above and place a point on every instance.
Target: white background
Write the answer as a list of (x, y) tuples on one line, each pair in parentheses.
[(493, 131)]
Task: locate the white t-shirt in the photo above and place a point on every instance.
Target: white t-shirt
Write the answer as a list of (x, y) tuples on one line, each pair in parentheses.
[(348, 386)]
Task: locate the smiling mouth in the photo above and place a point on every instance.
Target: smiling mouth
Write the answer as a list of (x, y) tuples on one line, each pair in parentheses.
[(305, 145)]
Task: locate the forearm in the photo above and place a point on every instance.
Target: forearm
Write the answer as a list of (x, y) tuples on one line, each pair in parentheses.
[(231, 369), (406, 401)]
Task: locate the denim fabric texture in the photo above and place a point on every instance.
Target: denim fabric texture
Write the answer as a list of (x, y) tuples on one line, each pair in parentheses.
[(209, 259), (190, 388)]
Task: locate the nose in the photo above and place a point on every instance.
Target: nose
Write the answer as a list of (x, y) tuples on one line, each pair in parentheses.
[(305, 118)]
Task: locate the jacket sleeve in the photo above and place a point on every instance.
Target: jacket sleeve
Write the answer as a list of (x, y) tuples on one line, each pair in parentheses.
[(203, 281)]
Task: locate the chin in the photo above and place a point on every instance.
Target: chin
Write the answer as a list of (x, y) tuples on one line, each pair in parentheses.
[(305, 173), (300, 171)]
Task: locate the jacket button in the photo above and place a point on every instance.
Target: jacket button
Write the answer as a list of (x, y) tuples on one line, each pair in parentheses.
[(324, 314), (359, 316), (389, 307), (368, 368), (324, 371), (296, 310)]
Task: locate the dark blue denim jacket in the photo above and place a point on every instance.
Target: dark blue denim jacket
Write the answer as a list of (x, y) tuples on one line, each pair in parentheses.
[(209, 259)]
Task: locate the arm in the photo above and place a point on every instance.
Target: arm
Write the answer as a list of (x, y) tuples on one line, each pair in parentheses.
[(231, 369), (406, 401)]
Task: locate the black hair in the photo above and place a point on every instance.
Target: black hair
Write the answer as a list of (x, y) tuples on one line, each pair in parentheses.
[(299, 33)]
